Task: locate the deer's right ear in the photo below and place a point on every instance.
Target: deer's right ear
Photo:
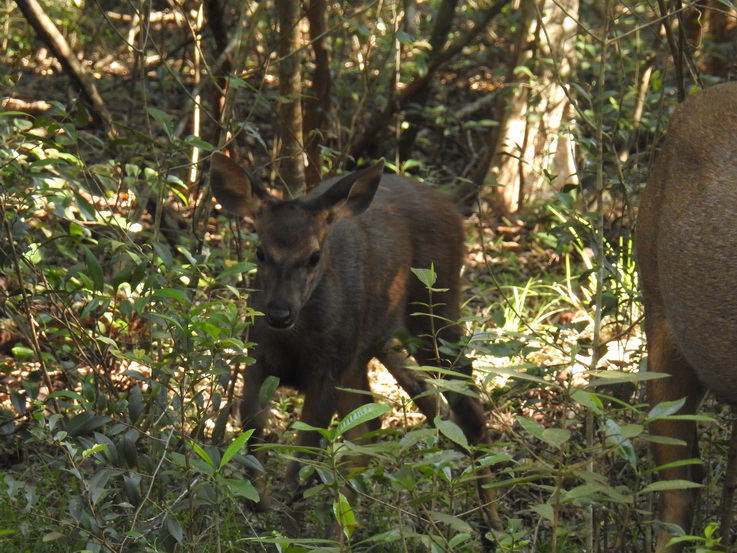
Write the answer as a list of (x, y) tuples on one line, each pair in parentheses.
[(234, 188), (351, 195)]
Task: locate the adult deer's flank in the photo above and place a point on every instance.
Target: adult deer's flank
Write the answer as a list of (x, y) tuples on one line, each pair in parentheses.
[(687, 252), (335, 287)]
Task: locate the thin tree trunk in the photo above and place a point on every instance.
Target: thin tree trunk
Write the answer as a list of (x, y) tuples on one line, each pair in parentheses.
[(533, 149), (216, 24), (290, 156), (317, 105)]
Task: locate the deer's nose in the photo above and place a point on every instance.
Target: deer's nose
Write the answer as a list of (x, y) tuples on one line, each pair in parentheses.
[(279, 316)]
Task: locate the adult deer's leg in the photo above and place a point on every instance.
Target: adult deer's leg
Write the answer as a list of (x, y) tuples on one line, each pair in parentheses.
[(675, 506), (320, 401)]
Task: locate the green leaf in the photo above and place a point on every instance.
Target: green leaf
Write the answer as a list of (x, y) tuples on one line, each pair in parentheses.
[(556, 436), (271, 383), (426, 276), (532, 427), (22, 352), (97, 483), (587, 492), (364, 413), (84, 423), (94, 269), (238, 269), (241, 488), (587, 399), (163, 119), (344, 515), (665, 409), (235, 447), (452, 431), (404, 37), (545, 510), (662, 485), (201, 452), (68, 394), (92, 450), (175, 529), (607, 378), (179, 295), (163, 253), (454, 522), (300, 425), (510, 371)]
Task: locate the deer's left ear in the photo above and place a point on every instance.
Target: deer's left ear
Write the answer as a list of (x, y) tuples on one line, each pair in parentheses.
[(234, 188), (351, 195)]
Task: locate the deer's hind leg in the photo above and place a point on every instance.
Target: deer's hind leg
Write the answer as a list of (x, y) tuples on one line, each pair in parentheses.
[(439, 332), (675, 506)]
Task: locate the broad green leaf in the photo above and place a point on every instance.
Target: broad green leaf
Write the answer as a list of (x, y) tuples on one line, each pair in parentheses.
[(300, 425), (545, 510), (68, 394), (364, 413), (164, 253), (532, 427), (175, 529), (509, 371), (241, 488), (179, 295), (587, 399), (94, 270), (201, 452), (666, 408), (679, 463), (97, 483), (84, 423), (454, 522), (662, 485), (426, 276), (92, 450), (344, 515), (235, 447), (452, 431), (164, 120), (588, 492), (604, 378), (556, 436), (271, 383)]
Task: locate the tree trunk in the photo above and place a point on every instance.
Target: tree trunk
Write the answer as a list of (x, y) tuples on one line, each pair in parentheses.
[(317, 105), (290, 152), (533, 152)]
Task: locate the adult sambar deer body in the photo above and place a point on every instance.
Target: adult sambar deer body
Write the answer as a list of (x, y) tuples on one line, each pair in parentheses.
[(334, 284), (687, 252)]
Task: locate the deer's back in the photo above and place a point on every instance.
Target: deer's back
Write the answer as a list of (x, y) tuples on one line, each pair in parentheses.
[(687, 236), (409, 225)]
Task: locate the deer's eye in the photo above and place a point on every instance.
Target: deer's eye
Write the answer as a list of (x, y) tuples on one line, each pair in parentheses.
[(260, 253), (314, 259)]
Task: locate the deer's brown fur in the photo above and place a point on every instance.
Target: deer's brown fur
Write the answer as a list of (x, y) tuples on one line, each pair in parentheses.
[(687, 252)]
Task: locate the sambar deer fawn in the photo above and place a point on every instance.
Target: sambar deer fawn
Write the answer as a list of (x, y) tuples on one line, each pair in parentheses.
[(334, 285), (687, 251)]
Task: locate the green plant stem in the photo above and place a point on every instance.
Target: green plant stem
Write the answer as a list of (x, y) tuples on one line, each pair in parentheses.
[(596, 344)]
